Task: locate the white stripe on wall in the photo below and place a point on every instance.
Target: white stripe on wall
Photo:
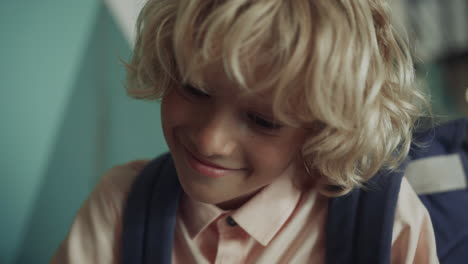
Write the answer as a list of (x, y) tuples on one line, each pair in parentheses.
[(125, 13)]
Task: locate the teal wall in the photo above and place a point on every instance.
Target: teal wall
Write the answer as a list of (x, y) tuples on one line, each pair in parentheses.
[(64, 118), (444, 105)]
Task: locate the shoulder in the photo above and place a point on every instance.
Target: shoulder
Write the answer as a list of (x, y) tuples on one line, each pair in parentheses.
[(116, 184), (413, 235), (409, 210), (118, 179), (112, 189), (94, 236)]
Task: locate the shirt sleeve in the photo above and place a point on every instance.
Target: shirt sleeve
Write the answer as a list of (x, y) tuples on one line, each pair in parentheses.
[(413, 234), (94, 236)]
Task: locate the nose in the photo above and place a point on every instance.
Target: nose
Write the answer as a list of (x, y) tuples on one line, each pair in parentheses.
[(215, 136)]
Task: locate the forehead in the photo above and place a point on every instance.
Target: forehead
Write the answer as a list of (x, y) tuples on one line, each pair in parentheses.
[(214, 76), (214, 79)]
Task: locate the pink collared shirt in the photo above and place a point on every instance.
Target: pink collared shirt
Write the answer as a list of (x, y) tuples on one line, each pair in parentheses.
[(278, 225)]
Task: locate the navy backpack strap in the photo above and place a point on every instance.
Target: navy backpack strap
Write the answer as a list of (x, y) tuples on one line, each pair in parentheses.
[(150, 214), (360, 224)]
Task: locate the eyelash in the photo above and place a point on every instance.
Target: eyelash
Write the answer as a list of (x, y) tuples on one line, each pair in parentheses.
[(194, 91), (263, 123), (256, 119)]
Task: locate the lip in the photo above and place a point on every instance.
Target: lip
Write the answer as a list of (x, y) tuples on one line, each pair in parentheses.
[(207, 168)]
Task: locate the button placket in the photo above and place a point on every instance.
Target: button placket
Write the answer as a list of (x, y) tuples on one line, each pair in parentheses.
[(230, 247)]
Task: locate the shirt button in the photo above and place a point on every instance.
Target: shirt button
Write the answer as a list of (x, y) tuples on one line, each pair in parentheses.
[(230, 221)]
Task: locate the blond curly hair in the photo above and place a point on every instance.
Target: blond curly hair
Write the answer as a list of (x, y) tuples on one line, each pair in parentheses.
[(337, 66)]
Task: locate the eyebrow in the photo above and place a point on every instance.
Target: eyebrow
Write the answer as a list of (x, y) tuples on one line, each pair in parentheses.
[(262, 101)]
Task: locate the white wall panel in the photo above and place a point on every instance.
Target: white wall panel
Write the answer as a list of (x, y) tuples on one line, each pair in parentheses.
[(125, 13)]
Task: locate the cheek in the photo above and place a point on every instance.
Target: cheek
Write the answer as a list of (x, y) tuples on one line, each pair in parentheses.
[(273, 158)]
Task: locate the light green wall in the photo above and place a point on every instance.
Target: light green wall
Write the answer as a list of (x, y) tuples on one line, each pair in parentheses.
[(64, 118), (443, 104), (42, 46)]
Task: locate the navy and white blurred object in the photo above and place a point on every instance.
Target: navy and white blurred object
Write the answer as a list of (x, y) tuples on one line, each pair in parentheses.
[(438, 28)]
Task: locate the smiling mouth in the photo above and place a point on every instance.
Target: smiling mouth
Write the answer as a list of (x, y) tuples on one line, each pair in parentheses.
[(207, 168)]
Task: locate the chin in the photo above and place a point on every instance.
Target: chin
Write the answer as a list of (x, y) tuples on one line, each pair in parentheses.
[(200, 195), (196, 190)]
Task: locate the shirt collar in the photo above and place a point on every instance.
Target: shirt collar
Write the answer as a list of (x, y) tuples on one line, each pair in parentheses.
[(197, 215), (264, 215), (261, 217)]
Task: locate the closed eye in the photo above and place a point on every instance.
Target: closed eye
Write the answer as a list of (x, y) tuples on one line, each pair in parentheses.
[(193, 91), (263, 123)]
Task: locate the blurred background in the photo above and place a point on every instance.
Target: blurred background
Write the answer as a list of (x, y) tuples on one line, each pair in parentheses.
[(65, 117)]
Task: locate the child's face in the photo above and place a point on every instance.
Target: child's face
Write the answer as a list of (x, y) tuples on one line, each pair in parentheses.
[(225, 147)]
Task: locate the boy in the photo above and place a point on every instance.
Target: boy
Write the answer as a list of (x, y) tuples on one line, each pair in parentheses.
[(270, 108)]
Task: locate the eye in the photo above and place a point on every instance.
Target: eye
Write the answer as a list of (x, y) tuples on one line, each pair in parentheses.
[(263, 123), (193, 91)]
